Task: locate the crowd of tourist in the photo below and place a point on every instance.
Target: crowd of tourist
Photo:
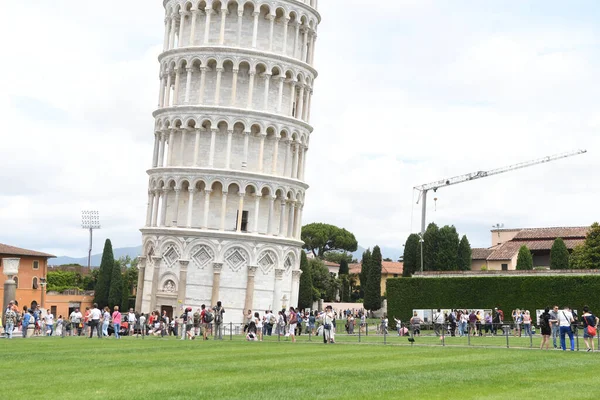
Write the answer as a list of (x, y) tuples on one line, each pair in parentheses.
[(207, 322)]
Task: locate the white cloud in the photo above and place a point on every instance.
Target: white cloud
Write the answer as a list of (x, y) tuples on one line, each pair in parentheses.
[(409, 92)]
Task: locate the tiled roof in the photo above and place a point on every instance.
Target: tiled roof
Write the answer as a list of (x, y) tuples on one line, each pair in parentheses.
[(330, 264), (16, 251), (553, 233), (509, 249), (387, 267), (481, 254)]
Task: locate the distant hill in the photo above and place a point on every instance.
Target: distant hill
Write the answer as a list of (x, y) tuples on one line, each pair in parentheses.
[(133, 252), (97, 258)]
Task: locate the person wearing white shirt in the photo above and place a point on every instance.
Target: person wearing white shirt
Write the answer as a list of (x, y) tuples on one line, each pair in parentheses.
[(95, 315), (565, 319), (328, 325), (105, 321), (75, 318), (131, 320), (49, 318)]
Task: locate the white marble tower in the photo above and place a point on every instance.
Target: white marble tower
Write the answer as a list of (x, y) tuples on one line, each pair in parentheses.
[(226, 188)]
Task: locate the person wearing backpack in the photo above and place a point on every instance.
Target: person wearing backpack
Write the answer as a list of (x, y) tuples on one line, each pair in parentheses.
[(219, 311), (207, 318), (546, 327), (590, 323), (196, 322)]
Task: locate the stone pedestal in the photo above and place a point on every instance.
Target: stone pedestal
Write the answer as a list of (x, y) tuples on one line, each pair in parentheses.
[(10, 268)]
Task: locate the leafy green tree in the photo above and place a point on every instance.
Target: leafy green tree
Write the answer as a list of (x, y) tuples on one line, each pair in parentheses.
[(411, 255), (576, 257), (102, 286), (524, 259), (464, 254), (323, 238), (591, 254), (364, 269), (345, 289), (446, 257), (305, 293), (373, 287), (59, 281), (430, 247), (337, 257), (115, 293), (559, 255), (320, 278), (344, 269)]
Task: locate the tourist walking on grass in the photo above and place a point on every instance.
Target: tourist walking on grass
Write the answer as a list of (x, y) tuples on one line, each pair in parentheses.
[(219, 311), (116, 319), (59, 326), (131, 320), (555, 326), (75, 319), (259, 326), (590, 323), (328, 325), (49, 318), (438, 322), (105, 321), (293, 321), (10, 321), (527, 323), (27, 318), (546, 327), (94, 320), (415, 324), (565, 319)]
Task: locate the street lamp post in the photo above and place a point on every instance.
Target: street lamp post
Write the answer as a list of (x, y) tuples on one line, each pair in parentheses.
[(421, 241), (43, 285), (90, 220)]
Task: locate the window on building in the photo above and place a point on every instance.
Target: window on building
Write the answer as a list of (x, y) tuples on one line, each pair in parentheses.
[(395, 275), (35, 282), (36, 264), (53, 311), (244, 220), (504, 267)]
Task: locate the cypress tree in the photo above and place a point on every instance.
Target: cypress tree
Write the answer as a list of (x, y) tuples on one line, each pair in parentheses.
[(373, 289), (305, 293), (364, 270), (524, 259), (412, 257), (115, 294), (446, 257), (104, 275), (591, 248), (559, 255), (464, 254), (125, 294), (430, 247), (344, 269)]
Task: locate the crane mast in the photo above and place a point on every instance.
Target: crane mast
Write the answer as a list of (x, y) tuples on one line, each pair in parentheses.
[(423, 189)]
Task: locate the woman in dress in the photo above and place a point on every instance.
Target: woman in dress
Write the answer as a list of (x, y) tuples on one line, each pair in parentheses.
[(589, 321), (116, 318), (546, 328), (59, 326), (105, 321), (259, 326)]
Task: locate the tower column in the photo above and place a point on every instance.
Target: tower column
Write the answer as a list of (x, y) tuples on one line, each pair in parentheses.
[(240, 212), (161, 91), (248, 304), (155, 201), (193, 27), (196, 147), (217, 267), (202, 84), (213, 139), (207, 193), (255, 30), (177, 83), (286, 22), (182, 147), (271, 19), (261, 153), (176, 220), (251, 89), (218, 86), (150, 206), (300, 151), (167, 33), (277, 291), (170, 153), (181, 290), (140, 283), (297, 26), (209, 12), (188, 84), (228, 154), (305, 45), (267, 77), (299, 222), (281, 79), (290, 219), (275, 156), (281, 233), (271, 215), (163, 145), (172, 33), (156, 149), (163, 212), (239, 27), (223, 17), (223, 210), (295, 287), (181, 26), (300, 104), (257, 198), (167, 100), (234, 87), (190, 210), (156, 270), (245, 159), (292, 98), (288, 148)]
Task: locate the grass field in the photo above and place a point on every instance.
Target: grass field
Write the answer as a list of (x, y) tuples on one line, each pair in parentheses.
[(154, 368)]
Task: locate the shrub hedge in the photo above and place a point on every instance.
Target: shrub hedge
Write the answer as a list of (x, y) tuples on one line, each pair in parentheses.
[(508, 293)]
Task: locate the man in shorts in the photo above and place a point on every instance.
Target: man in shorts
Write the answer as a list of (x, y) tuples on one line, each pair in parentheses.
[(206, 317), (131, 320)]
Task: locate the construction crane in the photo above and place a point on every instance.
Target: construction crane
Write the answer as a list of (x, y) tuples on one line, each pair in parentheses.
[(423, 189)]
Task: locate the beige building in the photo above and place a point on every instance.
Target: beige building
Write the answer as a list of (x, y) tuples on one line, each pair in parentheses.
[(389, 269), (502, 256)]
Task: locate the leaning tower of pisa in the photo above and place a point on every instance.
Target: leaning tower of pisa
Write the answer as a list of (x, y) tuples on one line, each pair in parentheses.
[(226, 186)]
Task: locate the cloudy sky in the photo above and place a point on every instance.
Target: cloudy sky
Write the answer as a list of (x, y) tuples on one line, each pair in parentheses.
[(410, 91)]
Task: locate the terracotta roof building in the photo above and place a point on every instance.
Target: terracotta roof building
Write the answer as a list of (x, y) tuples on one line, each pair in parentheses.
[(507, 242), (389, 269)]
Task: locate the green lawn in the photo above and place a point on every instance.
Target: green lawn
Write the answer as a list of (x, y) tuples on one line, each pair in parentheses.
[(154, 368)]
